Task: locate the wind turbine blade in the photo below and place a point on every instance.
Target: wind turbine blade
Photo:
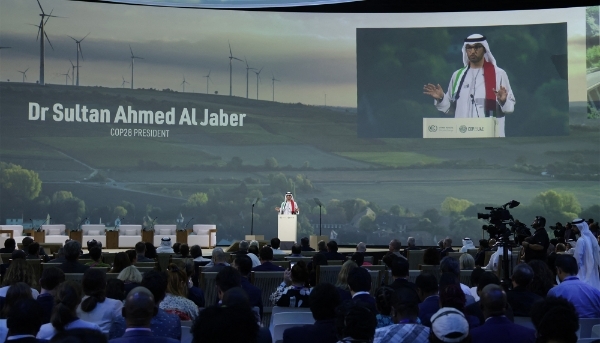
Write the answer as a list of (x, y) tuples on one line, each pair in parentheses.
[(84, 37), (72, 65), (235, 58), (26, 70), (81, 51), (38, 1), (245, 60), (230, 53), (48, 17), (39, 30), (73, 38), (45, 34), (131, 51)]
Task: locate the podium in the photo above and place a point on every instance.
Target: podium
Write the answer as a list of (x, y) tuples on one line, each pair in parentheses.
[(76, 236), (182, 236), (459, 127), (287, 227), (39, 236), (112, 239), (148, 237), (251, 238)]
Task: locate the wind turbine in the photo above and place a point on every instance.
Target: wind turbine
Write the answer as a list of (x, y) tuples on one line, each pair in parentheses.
[(24, 74), (230, 77), (66, 76), (124, 82), (73, 73), (274, 79), (257, 79), (133, 57), (42, 33), (247, 68), (183, 83), (207, 79), (79, 52)]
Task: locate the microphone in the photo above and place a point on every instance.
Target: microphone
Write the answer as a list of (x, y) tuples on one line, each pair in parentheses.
[(31, 220), (153, 222), (474, 105), (186, 224), (40, 227), (81, 222)]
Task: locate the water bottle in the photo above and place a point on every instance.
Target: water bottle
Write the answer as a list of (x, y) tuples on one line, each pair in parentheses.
[(292, 301)]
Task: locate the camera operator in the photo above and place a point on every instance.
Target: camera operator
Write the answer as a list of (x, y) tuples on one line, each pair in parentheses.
[(559, 230), (536, 246)]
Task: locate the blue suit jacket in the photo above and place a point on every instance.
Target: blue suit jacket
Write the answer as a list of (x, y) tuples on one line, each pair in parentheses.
[(501, 330), (254, 294), (322, 331), (267, 267), (140, 336), (428, 308)]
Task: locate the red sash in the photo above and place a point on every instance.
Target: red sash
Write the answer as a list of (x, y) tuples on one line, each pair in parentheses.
[(489, 72)]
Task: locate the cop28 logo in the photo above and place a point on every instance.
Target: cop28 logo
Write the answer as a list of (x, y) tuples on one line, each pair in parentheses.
[(432, 128), (462, 129)]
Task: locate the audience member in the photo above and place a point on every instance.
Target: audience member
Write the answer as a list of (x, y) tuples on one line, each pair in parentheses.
[(358, 258), (176, 251), (475, 309), (405, 312), (196, 253), (294, 290), (244, 246), (28, 241), (332, 252), (90, 244), (163, 324), (219, 261), (323, 301), (355, 322), (342, 280), (150, 251), (555, 320), (165, 246), (176, 300), (195, 294), (480, 256), (361, 247), (543, 278), (498, 328), (383, 301), (115, 289), (317, 260), (266, 256), (18, 291), (305, 244), (139, 309), (467, 244), (400, 275), (226, 279), (244, 266), (447, 248), (72, 252), (9, 246), (236, 298), (359, 282), (427, 289), (24, 321), (584, 297), (51, 278), (140, 251), (214, 325), (520, 298), (475, 275), (64, 315), (96, 256), (450, 265), (449, 325), (451, 295), (19, 271), (121, 262), (131, 278), (33, 251), (496, 259), (466, 261), (431, 257), (394, 249), (322, 247), (275, 245), (132, 256), (296, 251), (95, 307), (411, 244)]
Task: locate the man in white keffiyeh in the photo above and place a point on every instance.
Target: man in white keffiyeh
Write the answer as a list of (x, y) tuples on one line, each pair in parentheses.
[(288, 206), (587, 254)]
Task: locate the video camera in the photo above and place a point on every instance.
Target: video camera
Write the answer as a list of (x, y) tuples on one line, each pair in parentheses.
[(499, 218)]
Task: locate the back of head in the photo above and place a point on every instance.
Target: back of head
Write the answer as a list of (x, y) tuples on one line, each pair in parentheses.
[(319, 260), (139, 308), (176, 281), (150, 250), (184, 250), (156, 283), (68, 297), (324, 299), (236, 297), (140, 248), (411, 241), (16, 292), (304, 241), (26, 242), (447, 243), (453, 296), (132, 255), (10, 243), (522, 274), (405, 302), (296, 249), (300, 272), (95, 253), (321, 246), (400, 267), (243, 264), (487, 278), (555, 319), (447, 279), (195, 251), (275, 243), (51, 277), (24, 317), (219, 256), (253, 249), (93, 243), (266, 254), (227, 278), (33, 248), (342, 279), (466, 261), (361, 247), (384, 297), (359, 280), (450, 265), (493, 300), (121, 262), (244, 245), (20, 271), (130, 274), (427, 283), (355, 320), (431, 257), (176, 247), (395, 245), (72, 250), (115, 289), (567, 264), (449, 325), (214, 325), (94, 286), (332, 246), (475, 275), (79, 336), (358, 258), (18, 255)]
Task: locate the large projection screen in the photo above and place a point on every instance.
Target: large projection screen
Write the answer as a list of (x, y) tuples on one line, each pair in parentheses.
[(177, 114)]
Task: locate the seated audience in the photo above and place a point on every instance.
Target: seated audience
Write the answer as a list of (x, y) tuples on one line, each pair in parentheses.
[(296, 251), (383, 301), (427, 289), (163, 324), (72, 252), (449, 325), (322, 247), (18, 291), (305, 244), (19, 271), (90, 244), (195, 294), (184, 251), (9, 246), (318, 259), (355, 322), (400, 275), (236, 298), (244, 246), (227, 279), (33, 251), (498, 328), (95, 307), (121, 262), (361, 248), (214, 325), (219, 261), (51, 278), (244, 266), (24, 321), (140, 251), (131, 278), (480, 256), (411, 243), (452, 296), (394, 249), (27, 241), (555, 320), (475, 309), (275, 245), (405, 315), (196, 254), (176, 300), (450, 265), (342, 280), (467, 244), (115, 289), (132, 256), (64, 315), (466, 261), (519, 298), (96, 256), (543, 278), (294, 290), (332, 252), (583, 296), (176, 247), (475, 275), (150, 251), (447, 248), (359, 282), (139, 309), (165, 246), (323, 299), (431, 257), (266, 256)]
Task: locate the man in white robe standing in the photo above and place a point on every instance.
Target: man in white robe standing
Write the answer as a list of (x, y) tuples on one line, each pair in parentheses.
[(587, 254), (479, 89), (288, 206)]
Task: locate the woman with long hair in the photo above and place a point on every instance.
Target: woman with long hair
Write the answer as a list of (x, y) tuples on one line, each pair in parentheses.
[(383, 300), (543, 278), (342, 280), (294, 291), (18, 291), (176, 300), (121, 262), (96, 307), (19, 271), (64, 315)]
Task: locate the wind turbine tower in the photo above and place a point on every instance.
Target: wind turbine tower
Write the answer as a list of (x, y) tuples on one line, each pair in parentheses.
[(24, 74), (247, 69), (207, 79), (66, 77), (183, 83), (42, 33), (133, 57), (257, 79), (230, 70), (274, 79), (73, 73), (79, 52)]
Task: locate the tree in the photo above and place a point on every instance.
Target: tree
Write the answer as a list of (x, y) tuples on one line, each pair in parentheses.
[(120, 211), (591, 212), (130, 207), (397, 210), (561, 206), (367, 224), (17, 182), (271, 163), (433, 215), (451, 206), (235, 163), (197, 200)]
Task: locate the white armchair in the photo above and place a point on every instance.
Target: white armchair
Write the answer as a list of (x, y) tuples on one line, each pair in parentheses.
[(94, 231), (161, 231), (204, 235), (17, 233), (129, 235), (55, 233)]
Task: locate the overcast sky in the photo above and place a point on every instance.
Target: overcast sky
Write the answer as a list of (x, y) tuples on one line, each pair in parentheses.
[(312, 54)]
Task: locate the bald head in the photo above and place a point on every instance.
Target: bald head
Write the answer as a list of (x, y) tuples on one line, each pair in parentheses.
[(493, 300), (139, 308)]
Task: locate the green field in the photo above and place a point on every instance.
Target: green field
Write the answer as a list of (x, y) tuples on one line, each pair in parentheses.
[(392, 159)]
